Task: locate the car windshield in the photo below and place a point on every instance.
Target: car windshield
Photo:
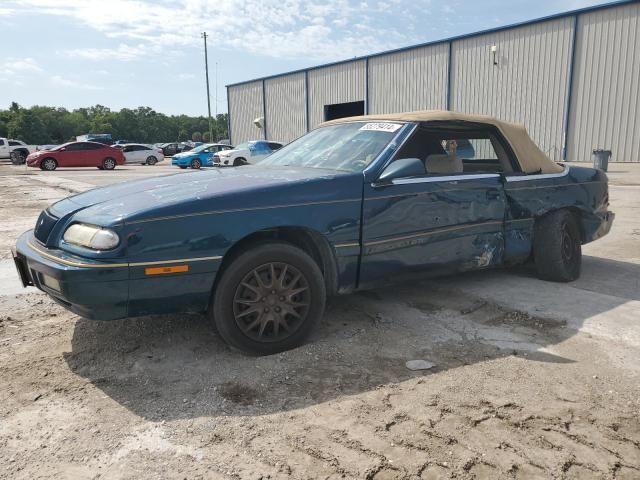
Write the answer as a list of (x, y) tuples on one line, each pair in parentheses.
[(200, 148), (60, 146), (241, 146), (347, 146)]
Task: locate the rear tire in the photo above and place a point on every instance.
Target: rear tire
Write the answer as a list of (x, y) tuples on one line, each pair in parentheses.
[(269, 299), (195, 163), (557, 247), (49, 164), (108, 164), (152, 160)]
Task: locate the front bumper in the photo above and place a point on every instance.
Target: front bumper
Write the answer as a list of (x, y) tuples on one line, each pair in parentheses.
[(95, 290), (109, 290), (33, 162)]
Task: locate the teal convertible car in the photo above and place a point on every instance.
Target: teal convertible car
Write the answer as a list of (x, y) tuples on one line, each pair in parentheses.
[(355, 203)]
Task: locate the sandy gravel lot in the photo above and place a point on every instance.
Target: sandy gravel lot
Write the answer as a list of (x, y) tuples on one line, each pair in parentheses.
[(531, 379)]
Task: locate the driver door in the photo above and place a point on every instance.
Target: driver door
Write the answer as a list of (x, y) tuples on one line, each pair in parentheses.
[(444, 220)]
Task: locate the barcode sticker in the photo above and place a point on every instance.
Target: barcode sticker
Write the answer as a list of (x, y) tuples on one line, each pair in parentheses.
[(381, 127)]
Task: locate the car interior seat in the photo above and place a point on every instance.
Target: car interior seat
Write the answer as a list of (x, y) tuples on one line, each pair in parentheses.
[(442, 163)]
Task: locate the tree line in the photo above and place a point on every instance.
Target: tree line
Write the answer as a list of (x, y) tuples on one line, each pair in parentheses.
[(41, 125)]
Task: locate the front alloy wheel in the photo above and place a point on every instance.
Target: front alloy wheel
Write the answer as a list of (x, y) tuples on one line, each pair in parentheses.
[(49, 164), (269, 298), (271, 302)]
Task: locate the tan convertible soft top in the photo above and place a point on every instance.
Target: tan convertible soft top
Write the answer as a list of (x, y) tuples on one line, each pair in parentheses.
[(531, 158)]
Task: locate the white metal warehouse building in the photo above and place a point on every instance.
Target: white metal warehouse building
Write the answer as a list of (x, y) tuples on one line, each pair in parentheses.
[(573, 79)]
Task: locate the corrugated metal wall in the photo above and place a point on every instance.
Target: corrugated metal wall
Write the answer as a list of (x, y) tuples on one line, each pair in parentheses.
[(528, 85), (245, 105), (335, 84), (414, 79), (606, 84), (285, 104)]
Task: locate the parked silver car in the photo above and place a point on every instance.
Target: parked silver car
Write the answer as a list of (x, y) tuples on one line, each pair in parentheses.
[(140, 153)]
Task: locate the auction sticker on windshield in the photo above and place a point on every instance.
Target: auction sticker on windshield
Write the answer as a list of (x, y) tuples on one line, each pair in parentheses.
[(381, 127)]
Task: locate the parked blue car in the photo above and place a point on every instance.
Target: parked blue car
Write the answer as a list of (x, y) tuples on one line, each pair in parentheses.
[(201, 156), (353, 204)]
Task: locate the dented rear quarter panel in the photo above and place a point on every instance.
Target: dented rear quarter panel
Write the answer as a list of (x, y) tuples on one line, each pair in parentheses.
[(583, 190)]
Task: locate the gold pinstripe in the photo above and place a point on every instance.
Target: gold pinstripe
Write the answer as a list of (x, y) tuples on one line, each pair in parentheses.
[(216, 212), (71, 263)]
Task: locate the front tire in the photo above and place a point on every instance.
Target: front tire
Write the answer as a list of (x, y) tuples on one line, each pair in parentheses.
[(49, 164), (239, 162), (557, 247), (108, 164), (18, 157), (269, 299), (183, 167)]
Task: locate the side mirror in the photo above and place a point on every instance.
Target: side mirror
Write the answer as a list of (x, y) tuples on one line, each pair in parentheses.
[(404, 167)]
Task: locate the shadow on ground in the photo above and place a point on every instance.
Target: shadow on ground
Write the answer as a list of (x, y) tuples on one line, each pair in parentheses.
[(178, 367)]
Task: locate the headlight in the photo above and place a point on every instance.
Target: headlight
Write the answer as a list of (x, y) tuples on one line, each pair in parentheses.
[(90, 236)]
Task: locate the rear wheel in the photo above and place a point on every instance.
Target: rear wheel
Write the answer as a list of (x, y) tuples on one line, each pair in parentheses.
[(196, 163), (557, 247), (151, 160), (108, 163), (269, 299), (49, 164)]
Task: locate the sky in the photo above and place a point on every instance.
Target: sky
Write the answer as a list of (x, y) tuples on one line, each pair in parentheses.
[(129, 53)]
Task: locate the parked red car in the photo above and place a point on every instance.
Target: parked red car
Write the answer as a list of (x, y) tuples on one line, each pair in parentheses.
[(77, 154)]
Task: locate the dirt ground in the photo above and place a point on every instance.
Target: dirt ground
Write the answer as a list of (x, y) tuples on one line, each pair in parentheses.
[(531, 379)]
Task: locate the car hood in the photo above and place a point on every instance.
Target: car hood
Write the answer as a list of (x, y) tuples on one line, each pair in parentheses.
[(228, 153), (217, 189)]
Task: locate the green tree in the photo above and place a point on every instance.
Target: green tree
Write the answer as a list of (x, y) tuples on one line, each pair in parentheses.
[(196, 136), (206, 137), (183, 135), (142, 124), (28, 127)]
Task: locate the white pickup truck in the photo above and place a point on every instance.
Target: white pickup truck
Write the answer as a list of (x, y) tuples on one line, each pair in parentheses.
[(16, 150)]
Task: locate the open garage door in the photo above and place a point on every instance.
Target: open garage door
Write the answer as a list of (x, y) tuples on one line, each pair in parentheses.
[(341, 110)]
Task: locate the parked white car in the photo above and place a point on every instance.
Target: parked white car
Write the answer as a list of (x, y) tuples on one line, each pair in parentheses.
[(249, 152), (16, 150), (140, 153)]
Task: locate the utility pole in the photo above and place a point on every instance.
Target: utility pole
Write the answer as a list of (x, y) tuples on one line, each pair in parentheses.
[(216, 94), (206, 71)]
